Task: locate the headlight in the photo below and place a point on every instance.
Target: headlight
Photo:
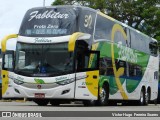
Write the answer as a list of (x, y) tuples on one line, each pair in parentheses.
[(64, 82), (19, 82)]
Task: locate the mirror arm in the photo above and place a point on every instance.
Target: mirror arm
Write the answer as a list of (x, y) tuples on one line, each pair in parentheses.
[(5, 39)]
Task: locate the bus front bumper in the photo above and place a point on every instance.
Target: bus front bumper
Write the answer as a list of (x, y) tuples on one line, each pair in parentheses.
[(60, 92)]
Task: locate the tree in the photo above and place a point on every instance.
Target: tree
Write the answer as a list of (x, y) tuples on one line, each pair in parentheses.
[(143, 15), (140, 14), (58, 2)]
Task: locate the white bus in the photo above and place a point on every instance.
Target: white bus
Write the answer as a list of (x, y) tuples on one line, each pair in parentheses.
[(69, 53)]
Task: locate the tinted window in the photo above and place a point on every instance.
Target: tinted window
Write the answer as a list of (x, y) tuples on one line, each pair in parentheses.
[(43, 59), (87, 61), (103, 28), (140, 42), (102, 67), (153, 46), (121, 64), (49, 22), (135, 70), (118, 38), (106, 67), (86, 21)]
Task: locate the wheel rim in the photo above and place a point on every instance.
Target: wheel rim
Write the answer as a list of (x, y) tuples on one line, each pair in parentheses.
[(92, 101), (141, 97), (147, 97), (102, 95)]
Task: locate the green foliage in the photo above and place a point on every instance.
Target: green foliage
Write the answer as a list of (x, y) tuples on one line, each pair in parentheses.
[(143, 15), (58, 2)]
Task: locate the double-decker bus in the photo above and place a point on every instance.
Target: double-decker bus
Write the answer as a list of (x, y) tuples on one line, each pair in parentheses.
[(69, 53)]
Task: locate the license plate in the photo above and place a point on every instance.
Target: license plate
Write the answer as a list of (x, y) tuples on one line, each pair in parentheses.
[(39, 95)]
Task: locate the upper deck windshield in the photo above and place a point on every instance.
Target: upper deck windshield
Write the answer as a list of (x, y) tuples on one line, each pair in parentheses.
[(49, 22), (43, 59)]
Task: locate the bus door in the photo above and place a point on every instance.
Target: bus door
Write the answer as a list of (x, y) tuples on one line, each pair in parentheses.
[(7, 67), (87, 73)]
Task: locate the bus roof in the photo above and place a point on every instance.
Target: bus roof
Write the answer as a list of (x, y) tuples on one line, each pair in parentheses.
[(96, 11), (125, 25), (65, 6)]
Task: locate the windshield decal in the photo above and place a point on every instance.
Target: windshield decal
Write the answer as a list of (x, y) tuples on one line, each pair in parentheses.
[(126, 54), (88, 21), (120, 71), (61, 78), (42, 40), (48, 22), (47, 14), (39, 81)]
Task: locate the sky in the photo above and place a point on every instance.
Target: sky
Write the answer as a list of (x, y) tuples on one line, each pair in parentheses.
[(11, 15)]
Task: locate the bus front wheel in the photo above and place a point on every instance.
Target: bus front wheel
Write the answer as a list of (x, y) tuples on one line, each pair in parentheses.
[(103, 95), (41, 102), (55, 102), (144, 98), (89, 102)]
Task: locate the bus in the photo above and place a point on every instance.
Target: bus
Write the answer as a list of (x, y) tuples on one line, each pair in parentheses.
[(75, 53)]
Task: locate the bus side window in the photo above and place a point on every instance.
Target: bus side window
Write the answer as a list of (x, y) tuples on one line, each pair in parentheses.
[(87, 60), (109, 69), (132, 70), (120, 64), (80, 61), (102, 67), (138, 71), (135, 70), (153, 48)]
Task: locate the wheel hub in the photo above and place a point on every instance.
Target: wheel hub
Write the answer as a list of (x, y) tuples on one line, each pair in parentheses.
[(103, 95), (141, 97)]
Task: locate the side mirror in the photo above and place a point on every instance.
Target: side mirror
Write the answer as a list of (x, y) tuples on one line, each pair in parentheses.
[(8, 60)]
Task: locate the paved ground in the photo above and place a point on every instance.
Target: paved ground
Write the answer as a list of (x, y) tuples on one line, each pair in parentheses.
[(31, 106)]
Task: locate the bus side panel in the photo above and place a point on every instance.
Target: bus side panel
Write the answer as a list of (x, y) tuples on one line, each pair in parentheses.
[(86, 86), (5, 82), (7, 89), (131, 85)]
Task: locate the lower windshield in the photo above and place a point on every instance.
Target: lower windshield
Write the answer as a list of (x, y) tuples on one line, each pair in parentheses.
[(43, 59)]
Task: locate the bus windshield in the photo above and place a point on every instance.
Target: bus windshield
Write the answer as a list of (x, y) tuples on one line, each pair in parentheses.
[(43, 59), (49, 22)]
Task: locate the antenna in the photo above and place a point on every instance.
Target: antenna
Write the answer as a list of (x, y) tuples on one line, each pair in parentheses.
[(43, 3)]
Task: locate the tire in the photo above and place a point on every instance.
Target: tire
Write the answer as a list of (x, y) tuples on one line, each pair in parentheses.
[(41, 102), (147, 98), (103, 96), (89, 102), (130, 103), (112, 103), (55, 102), (142, 98)]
